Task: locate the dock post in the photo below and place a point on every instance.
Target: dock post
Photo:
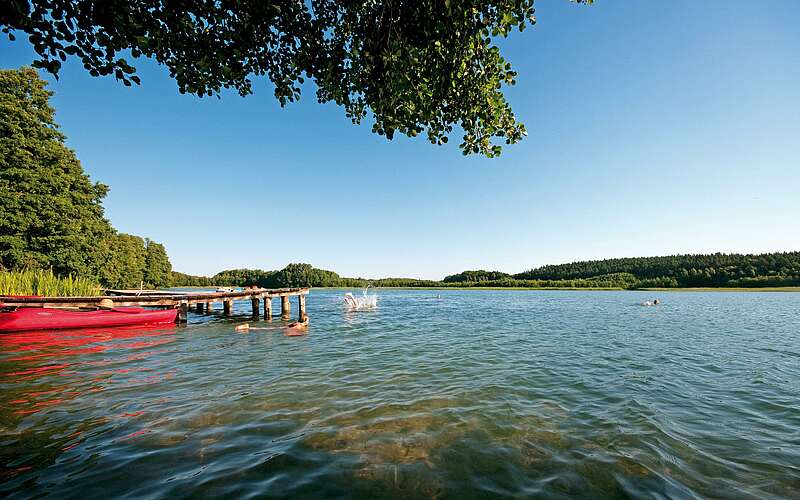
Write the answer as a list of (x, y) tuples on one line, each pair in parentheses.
[(227, 306), (183, 312), (254, 302), (301, 305), (198, 308), (268, 308), (208, 307), (286, 308)]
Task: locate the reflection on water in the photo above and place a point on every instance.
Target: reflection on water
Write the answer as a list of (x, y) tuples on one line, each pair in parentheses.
[(47, 371), (434, 394)]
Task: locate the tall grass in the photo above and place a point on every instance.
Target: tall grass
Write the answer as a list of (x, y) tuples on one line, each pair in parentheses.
[(44, 282)]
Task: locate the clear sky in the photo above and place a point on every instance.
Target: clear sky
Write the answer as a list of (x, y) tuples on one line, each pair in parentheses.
[(654, 128)]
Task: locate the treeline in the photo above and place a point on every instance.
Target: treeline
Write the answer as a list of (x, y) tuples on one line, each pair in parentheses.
[(715, 270), (607, 281), (476, 276), (305, 275), (132, 261), (293, 275), (711, 270), (51, 213)]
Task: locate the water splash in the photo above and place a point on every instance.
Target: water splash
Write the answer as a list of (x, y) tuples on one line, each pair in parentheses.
[(365, 301)]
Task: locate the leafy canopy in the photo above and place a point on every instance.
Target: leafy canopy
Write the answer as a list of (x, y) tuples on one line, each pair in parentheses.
[(475, 276), (418, 66), (51, 213), (157, 268)]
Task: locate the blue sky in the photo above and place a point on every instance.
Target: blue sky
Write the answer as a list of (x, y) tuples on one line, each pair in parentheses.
[(654, 128)]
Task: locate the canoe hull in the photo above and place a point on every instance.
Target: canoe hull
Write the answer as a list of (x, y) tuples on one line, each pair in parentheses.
[(38, 318)]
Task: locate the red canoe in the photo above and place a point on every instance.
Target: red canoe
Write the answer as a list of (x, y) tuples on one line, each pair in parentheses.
[(36, 318)]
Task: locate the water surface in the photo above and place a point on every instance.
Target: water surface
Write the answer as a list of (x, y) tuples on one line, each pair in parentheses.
[(473, 394)]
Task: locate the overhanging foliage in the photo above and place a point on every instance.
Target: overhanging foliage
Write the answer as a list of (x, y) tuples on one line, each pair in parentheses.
[(419, 67)]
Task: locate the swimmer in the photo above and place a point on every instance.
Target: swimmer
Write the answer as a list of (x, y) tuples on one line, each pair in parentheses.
[(246, 328), (297, 329)]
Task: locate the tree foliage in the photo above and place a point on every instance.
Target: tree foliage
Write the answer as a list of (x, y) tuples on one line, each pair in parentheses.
[(183, 279), (157, 268), (719, 269), (125, 258), (241, 277), (715, 270), (304, 275), (130, 262), (474, 276), (51, 213), (418, 66)]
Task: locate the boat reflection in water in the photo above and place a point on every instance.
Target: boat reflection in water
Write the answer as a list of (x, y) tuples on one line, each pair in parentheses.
[(43, 373), (45, 344)]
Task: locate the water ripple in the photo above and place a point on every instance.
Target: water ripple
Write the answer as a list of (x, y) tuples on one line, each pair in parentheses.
[(476, 393)]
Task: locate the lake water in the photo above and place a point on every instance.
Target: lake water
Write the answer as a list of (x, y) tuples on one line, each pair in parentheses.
[(474, 394)]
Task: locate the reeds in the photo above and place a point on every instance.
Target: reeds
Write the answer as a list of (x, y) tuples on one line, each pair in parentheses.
[(44, 282)]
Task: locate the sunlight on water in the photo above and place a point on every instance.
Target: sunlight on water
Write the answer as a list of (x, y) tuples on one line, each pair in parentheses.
[(434, 394)]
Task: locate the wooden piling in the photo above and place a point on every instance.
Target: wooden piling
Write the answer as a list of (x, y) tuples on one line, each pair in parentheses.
[(183, 312), (255, 304), (301, 305), (208, 307), (268, 308), (286, 308), (227, 305), (198, 308)]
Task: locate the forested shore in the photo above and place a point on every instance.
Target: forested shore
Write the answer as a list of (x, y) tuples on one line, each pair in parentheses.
[(781, 269), (54, 237), (51, 213)]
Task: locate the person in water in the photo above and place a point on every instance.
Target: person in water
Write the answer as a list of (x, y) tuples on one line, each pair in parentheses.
[(297, 328), (294, 329)]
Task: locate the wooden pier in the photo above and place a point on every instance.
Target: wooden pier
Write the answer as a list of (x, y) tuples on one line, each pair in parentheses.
[(202, 301)]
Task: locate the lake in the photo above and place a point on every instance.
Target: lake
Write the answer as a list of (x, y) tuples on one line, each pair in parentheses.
[(435, 394)]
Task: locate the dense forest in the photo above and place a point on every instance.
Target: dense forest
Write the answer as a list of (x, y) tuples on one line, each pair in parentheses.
[(51, 213), (475, 276), (714, 270), (293, 275)]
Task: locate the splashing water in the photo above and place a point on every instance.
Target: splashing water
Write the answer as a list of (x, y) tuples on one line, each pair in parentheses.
[(366, 301)]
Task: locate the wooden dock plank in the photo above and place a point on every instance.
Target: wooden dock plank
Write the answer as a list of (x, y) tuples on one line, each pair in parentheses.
[(152, 300)]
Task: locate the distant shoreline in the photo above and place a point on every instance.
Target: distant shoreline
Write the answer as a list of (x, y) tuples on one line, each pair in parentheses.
[(726, 289), (576, 289), (777, 271), (594, 289), (795, 289)]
